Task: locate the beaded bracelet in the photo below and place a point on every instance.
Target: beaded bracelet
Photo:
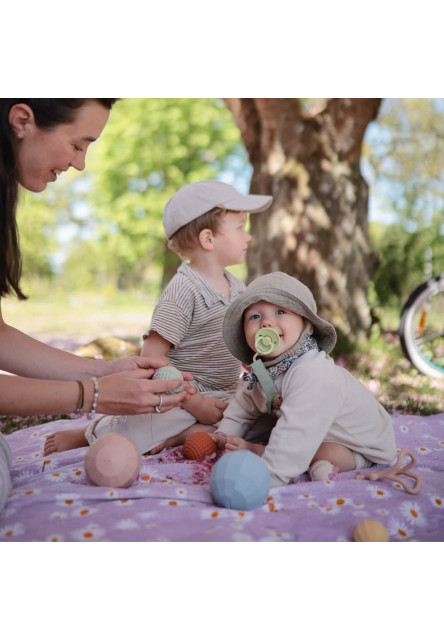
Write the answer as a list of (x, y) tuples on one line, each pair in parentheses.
[(92, 413), (79, 409)]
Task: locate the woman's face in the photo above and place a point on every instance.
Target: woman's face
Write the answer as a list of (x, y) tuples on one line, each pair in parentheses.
[(44, 154)]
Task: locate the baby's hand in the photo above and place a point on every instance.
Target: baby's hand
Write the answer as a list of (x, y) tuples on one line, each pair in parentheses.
[(205, 410), (233, 443), (219, 439)]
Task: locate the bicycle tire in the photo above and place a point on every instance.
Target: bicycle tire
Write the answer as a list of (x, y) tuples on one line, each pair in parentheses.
[(424, 348)]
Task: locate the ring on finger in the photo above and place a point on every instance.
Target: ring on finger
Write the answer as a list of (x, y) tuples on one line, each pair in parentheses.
[(159, 406)]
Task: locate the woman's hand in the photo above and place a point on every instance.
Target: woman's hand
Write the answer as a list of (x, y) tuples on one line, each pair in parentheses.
[(133, 392), (132, 363)]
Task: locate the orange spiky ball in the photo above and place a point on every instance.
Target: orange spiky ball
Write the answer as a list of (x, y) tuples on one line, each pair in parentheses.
[(199, 445)]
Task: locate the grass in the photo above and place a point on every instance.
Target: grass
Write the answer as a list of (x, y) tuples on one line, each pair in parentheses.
[(399, 387), (72, 320), (75, 320)]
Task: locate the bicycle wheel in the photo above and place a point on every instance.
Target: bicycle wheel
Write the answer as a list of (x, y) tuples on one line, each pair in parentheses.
[(421, 329)]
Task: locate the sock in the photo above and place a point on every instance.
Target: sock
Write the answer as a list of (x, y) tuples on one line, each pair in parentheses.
[(322, 470)]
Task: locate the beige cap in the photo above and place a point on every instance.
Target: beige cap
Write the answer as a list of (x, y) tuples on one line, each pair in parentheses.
[(195, 199), (285, 291)]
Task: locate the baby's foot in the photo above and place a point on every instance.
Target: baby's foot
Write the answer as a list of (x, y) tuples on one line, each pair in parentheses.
[(65, 440), (233, 443)]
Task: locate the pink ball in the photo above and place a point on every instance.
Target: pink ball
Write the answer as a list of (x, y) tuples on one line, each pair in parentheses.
[(113, 461)]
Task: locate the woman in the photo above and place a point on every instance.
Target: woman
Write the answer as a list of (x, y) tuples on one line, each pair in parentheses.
[(39, 139)]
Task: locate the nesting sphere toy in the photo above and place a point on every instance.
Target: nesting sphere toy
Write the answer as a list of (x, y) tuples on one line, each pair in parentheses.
[(240, 480), (199, 445), (266, 341), (5, 476), (169, 373), (370, 531), (113, 461)]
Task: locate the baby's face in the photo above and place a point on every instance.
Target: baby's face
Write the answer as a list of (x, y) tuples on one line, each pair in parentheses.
[(286, 323)]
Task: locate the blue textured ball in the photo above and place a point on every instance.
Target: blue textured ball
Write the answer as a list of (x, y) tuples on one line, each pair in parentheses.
[(240, 480)]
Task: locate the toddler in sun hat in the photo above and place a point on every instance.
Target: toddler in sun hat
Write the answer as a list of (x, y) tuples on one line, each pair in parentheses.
[(320, 418)]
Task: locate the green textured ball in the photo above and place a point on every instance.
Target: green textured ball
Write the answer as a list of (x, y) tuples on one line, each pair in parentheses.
[(169, 373)]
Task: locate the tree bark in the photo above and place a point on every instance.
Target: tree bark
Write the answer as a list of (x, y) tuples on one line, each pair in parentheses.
[(317, 226)]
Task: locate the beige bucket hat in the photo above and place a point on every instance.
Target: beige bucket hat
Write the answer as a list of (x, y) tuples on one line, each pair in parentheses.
[(285, 291), (193, 200)]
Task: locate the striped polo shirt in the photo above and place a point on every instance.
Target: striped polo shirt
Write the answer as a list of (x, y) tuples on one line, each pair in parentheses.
[(189, 314)]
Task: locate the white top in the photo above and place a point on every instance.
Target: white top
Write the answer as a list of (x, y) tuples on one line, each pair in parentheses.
[(322, 402), (189, 314)]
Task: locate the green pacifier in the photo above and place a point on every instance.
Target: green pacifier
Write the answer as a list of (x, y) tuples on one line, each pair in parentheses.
[(266, 341)]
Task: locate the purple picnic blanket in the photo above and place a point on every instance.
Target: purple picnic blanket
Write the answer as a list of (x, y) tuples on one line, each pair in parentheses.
[(53, 500)]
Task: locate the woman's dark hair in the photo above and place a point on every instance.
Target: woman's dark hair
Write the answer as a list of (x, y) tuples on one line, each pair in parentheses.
[(48, 113)]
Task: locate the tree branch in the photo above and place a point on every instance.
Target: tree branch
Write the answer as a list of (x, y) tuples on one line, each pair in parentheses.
[(350, 118), (247, 119)]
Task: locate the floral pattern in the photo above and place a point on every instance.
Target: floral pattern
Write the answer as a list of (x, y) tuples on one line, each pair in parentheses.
[(53, 500)]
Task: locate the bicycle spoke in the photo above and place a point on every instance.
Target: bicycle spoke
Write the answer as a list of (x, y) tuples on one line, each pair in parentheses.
[(429, 337), (421, 328)]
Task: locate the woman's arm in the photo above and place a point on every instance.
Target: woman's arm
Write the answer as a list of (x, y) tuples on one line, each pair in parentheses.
[(40, 384), (24, 356), (130, 392)]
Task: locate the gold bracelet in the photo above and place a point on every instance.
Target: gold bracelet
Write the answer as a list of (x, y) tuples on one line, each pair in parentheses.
[(79, 409)]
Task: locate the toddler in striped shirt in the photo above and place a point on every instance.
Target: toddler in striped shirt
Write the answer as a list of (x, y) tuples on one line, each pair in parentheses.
[(204, 224)]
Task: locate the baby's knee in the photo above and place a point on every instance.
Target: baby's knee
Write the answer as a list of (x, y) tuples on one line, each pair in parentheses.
[(339, 455)]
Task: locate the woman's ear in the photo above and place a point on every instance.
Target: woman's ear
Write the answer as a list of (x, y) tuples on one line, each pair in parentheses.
[(309, 328), (206, 239), (20, 117)]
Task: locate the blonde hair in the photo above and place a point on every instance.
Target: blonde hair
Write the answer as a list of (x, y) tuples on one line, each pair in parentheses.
[(187, 237)]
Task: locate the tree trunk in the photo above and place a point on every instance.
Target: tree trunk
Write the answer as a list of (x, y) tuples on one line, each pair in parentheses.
[(316, 228)]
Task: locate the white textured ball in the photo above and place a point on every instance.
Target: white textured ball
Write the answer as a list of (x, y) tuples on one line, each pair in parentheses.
[(169, 373)]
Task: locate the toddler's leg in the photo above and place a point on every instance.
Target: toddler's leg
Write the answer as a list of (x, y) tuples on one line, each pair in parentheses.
[(176, 441), (148, 431), (329, 459), (65, 440), (80, 437)]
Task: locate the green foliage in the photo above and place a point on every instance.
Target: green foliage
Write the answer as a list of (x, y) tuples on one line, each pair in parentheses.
[(404, 149), (383, 369), (36, 225), (42, 217), (150, 148), (112, 212), (403, 257), (153, 146)]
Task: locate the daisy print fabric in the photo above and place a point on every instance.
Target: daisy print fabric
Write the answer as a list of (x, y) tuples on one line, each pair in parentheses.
[(52, 499)]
